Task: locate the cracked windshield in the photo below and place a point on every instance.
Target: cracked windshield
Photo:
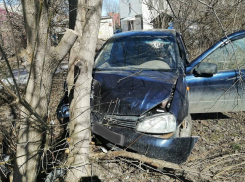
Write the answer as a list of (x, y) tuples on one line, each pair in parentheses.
[(139, 52)]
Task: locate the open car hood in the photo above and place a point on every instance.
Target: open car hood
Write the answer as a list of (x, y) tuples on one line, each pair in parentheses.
[(132, 92)]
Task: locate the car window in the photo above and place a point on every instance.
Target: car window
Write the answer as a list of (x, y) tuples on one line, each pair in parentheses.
[(139, 52), (230, 56)]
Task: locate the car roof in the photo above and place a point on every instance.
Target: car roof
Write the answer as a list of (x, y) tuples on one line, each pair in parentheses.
[(152, 32)]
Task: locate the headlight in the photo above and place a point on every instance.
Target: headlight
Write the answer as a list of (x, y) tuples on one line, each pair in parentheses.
[(161, 123)]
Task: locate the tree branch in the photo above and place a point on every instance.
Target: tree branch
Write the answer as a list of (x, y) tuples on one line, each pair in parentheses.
[(64, 46), (10, 71), (154, 162)]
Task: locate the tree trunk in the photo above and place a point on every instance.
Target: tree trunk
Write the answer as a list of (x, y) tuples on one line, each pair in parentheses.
[(1, 43), (82, 58), (44, 60)]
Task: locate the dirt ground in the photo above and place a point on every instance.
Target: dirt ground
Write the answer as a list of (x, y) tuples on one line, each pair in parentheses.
[(217, 156)]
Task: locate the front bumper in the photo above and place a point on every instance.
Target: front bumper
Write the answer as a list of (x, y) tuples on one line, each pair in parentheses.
[(175, 150)]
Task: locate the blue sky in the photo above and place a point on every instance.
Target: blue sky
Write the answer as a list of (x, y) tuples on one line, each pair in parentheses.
[(103, 9)]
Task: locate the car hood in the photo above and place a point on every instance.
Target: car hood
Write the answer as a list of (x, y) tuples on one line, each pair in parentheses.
[(132, 92)]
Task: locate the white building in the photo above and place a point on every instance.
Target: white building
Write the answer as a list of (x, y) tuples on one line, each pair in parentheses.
[(106, 28), (140, 14)]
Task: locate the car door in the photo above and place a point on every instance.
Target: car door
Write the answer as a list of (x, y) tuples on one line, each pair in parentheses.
[(223, 91)]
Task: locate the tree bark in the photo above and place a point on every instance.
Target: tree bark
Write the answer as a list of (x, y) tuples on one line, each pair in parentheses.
[(44, 61), (81, 60), (2, 44)]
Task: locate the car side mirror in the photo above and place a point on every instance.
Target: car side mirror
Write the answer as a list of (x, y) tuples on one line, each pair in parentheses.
[(205, 69)]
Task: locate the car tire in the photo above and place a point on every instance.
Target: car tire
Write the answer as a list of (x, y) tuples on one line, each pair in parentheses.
[(184, 129)]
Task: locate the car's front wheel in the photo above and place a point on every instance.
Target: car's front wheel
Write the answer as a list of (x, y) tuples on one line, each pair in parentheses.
[(184, 129)]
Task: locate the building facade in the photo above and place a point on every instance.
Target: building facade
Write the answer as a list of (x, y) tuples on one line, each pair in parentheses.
[(140, 14)]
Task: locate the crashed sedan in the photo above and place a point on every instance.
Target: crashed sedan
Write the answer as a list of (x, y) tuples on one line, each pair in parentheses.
[(144, 90)]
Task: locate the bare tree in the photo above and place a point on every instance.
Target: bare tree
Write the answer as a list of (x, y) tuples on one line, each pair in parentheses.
[(79, 84), (1, 42), (13, 34), (202, 22), (43, 60)]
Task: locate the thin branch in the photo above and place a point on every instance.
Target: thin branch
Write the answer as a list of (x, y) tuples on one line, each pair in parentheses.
[(12, 32), (10, 71)]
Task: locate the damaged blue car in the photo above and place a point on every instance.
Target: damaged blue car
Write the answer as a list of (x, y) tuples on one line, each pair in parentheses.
[(144, 89)]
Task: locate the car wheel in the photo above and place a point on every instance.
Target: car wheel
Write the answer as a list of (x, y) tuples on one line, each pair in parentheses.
[(184, 129)]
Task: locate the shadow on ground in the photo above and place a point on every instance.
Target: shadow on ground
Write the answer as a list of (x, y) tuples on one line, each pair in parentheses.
[(205, 116)]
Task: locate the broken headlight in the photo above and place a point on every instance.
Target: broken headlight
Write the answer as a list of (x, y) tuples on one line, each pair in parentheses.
[(159, 123)]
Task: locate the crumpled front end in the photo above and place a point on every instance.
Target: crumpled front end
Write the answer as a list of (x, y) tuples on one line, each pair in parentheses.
[(126, 113), (130, 93), (149, 130)]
